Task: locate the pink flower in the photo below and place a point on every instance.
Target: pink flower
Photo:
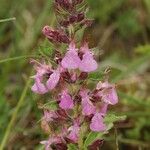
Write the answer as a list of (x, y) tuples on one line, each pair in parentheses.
[(87, 106), (50, 141), (97, 123), (38, 86), (41, 69), (104, 109), (71, 59), (53, 80), (49, 115), (107, 93), (74, 132), (88, 64), (66, 102)]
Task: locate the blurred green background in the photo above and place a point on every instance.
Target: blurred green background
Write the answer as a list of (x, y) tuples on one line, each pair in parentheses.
[(121, 35)]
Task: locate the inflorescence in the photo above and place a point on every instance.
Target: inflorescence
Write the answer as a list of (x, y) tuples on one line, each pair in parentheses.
[(80, 108)]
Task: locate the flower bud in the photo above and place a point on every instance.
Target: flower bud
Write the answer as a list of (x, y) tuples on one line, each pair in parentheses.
[(55, 35), (87, 22), (80, 17), (65, 23), (73, 19)]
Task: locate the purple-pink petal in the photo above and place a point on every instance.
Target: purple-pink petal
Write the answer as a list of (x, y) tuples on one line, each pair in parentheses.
[(110, 96), (49, 115), (74, 132), (103, 109), (66, 102), (88, 64), (107, 92), (71, 60), (53, 80), (38, 86), (50, 141), (87, 107), (97, 123)]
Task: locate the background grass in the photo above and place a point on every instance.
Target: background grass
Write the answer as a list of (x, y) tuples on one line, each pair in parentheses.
[(121, 35)]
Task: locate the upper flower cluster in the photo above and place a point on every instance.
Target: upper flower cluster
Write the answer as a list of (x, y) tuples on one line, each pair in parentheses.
[(73, 59)]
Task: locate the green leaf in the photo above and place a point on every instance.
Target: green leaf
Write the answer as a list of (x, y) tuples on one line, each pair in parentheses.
[(72, 147), (92, 136), (96, 76), (52, 105), (110, 118)]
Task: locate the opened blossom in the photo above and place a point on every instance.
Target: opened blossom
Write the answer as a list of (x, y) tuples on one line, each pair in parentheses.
[(41, 69), (74, 132), (49, 115), (103, 109), (39, 86), (87, 106), (97, 123), (107, 92), (53, 79), (66, 101), (73, 61), (88, 64), (50, 141)]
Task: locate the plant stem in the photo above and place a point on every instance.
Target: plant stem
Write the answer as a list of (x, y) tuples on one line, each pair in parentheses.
[(116, 139), (16, 58), (14, 116), (7, 19)]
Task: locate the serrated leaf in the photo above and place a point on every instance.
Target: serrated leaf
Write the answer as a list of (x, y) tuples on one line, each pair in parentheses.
[(72, 147), (92, 136), (110, 118)]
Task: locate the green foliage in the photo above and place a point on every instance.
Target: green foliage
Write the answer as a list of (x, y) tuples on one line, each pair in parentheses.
[(110, 118), (96, 76), (46, 49), (52, 105), (72, 147), (104, 9), (91, 137), (127, 22), (143, 49), (147, 3), (5, 114)]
